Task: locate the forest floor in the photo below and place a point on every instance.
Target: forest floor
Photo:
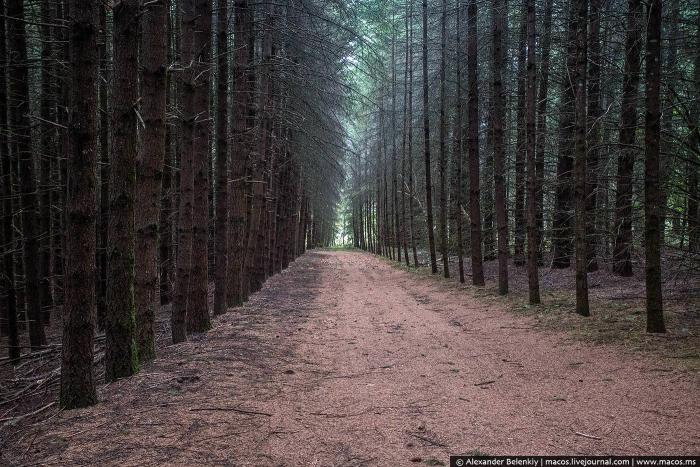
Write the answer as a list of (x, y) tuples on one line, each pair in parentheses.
[(346, 360)]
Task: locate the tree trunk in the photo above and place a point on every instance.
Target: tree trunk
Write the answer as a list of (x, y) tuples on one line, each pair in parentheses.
[(426, 144), (165, 225), (404, 155), (652, 192), (622, 261), (7, 240), (443, 149), (532, 243), (473, 148), (593, 132), (520, 147), (104, 169), (458, 154), (542, 101), (154, 64), (239, 153), (47, 156), (121, 355), (77, 354), (198, 301), (498, 109), (394, 169), (222, 157), (578, 78), (562, 232), (21, 141), (411, 185), (184, 228)]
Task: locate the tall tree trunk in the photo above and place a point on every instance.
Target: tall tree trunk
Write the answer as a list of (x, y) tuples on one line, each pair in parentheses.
[(154, 64), (47, 156), (183, 273), (593, 132), (77, 374), (542, 101), (222, 157), (622, 261), (198, 301), (498, 108), (7, 240), (578, 77), (562, 226), (652, 193), (520, 146), (404, 155), (256, 231), (442, 163), (22, 149), (394, 169), (426, 144), (411, 185), (104, 169), (532, 243), (121, 355), (458, 154), (239, 152), (165, 225), (473, 148)]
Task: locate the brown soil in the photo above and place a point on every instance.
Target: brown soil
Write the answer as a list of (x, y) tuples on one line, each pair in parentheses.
[(344, 360)]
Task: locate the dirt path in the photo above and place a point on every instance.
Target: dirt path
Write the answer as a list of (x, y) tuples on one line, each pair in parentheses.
[(344, 360)]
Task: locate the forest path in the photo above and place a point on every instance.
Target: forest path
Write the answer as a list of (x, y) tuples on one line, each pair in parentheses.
[(345, 360)]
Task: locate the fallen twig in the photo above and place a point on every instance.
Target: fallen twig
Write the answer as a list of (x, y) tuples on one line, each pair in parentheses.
[(229, 409), (587, 435)]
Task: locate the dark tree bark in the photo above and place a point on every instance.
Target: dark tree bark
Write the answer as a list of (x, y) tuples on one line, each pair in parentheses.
[(168, 185), (22, 149), (198, 319), (154, 50), (49, 138), (77, 374), (578, 77), (473, 147), (394, 169), (542, 101), (406, 124), (121, 354), (498, 108), (103, 193), (242, 32), (521, 147), (426, 144), (7, 240), (458, 154), (183, 271), (622, 261), (256, 232), (222, 163), (652, 193), (532, 242), (593, 134), (442, 162), (562, 226), (411, 185)]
